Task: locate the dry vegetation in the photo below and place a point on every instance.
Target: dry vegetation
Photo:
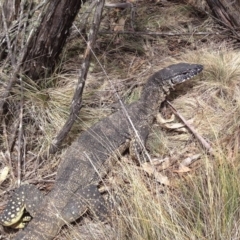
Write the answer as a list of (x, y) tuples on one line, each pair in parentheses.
[(200, 201)]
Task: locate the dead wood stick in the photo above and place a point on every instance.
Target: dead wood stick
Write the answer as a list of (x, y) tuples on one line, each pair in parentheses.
[(8, 151), (77, 98), (6, 93), (16, 69), (13, 60), (204, 143), (164, 33), (20, 136), (118, 5)]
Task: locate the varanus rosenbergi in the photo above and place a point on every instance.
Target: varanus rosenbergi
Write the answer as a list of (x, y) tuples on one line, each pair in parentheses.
[(86, 160)]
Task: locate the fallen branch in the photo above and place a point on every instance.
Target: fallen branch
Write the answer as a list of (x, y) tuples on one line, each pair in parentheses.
[(203, 142), (77, 98), (118, 5), (20, 137), (165, 33)]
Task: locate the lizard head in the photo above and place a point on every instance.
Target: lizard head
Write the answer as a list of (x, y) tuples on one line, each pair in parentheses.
[(166, 79), (175, 74)]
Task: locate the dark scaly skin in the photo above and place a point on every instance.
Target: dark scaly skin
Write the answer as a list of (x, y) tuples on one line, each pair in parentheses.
[(75, 189)]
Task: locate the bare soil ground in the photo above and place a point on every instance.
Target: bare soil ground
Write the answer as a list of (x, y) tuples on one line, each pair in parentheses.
[(179, 200)]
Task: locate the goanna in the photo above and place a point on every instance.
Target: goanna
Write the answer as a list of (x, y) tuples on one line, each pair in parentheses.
[(75, 189)]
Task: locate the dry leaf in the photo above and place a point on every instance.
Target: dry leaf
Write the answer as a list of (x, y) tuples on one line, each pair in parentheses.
[(148, 168), (161, 120), (119, 25), (187, 161), (161, 164), (180, 127), (161, 178), (174, 125), (151, 170), (3, 174), (182, 169)]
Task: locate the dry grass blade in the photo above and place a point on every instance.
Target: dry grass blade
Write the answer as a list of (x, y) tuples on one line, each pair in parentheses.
[(20, 137)]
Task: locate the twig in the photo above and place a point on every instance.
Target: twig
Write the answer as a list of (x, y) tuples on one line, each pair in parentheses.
[(204, 143), (6, 93), (132, 18), (16, 71), (6, 30), (22, 22), (14, 130), (84, 18), (118, 5), (20, 134), (164, 33), (77, 98), (189, 160), (8, 151)]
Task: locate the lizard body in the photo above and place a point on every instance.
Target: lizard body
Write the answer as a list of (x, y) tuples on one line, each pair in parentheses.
[(86, 160)]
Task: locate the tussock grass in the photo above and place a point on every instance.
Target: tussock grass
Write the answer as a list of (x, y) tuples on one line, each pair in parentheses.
[(214, 101), (169, 17), (48, 108), (203, 204)]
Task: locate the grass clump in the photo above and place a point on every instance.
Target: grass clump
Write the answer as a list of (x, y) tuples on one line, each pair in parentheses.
[(204, 203)]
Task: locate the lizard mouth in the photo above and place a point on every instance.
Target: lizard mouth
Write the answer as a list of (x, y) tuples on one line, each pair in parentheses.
[(182, 77)]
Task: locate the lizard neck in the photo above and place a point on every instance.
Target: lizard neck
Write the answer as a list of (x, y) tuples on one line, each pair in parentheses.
[(152, 96)]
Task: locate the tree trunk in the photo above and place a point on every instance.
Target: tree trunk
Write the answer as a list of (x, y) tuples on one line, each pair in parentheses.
[(10, 11), (227, 11), (50, 37)]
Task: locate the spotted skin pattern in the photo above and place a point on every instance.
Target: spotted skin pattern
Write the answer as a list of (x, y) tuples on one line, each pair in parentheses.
[(89, 197), (25, 197), (91, 155), (30, 198)]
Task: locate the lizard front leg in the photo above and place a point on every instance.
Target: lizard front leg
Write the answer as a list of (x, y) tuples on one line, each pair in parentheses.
[(25, 197), (30, 198), (137, 149), (86, 198)]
